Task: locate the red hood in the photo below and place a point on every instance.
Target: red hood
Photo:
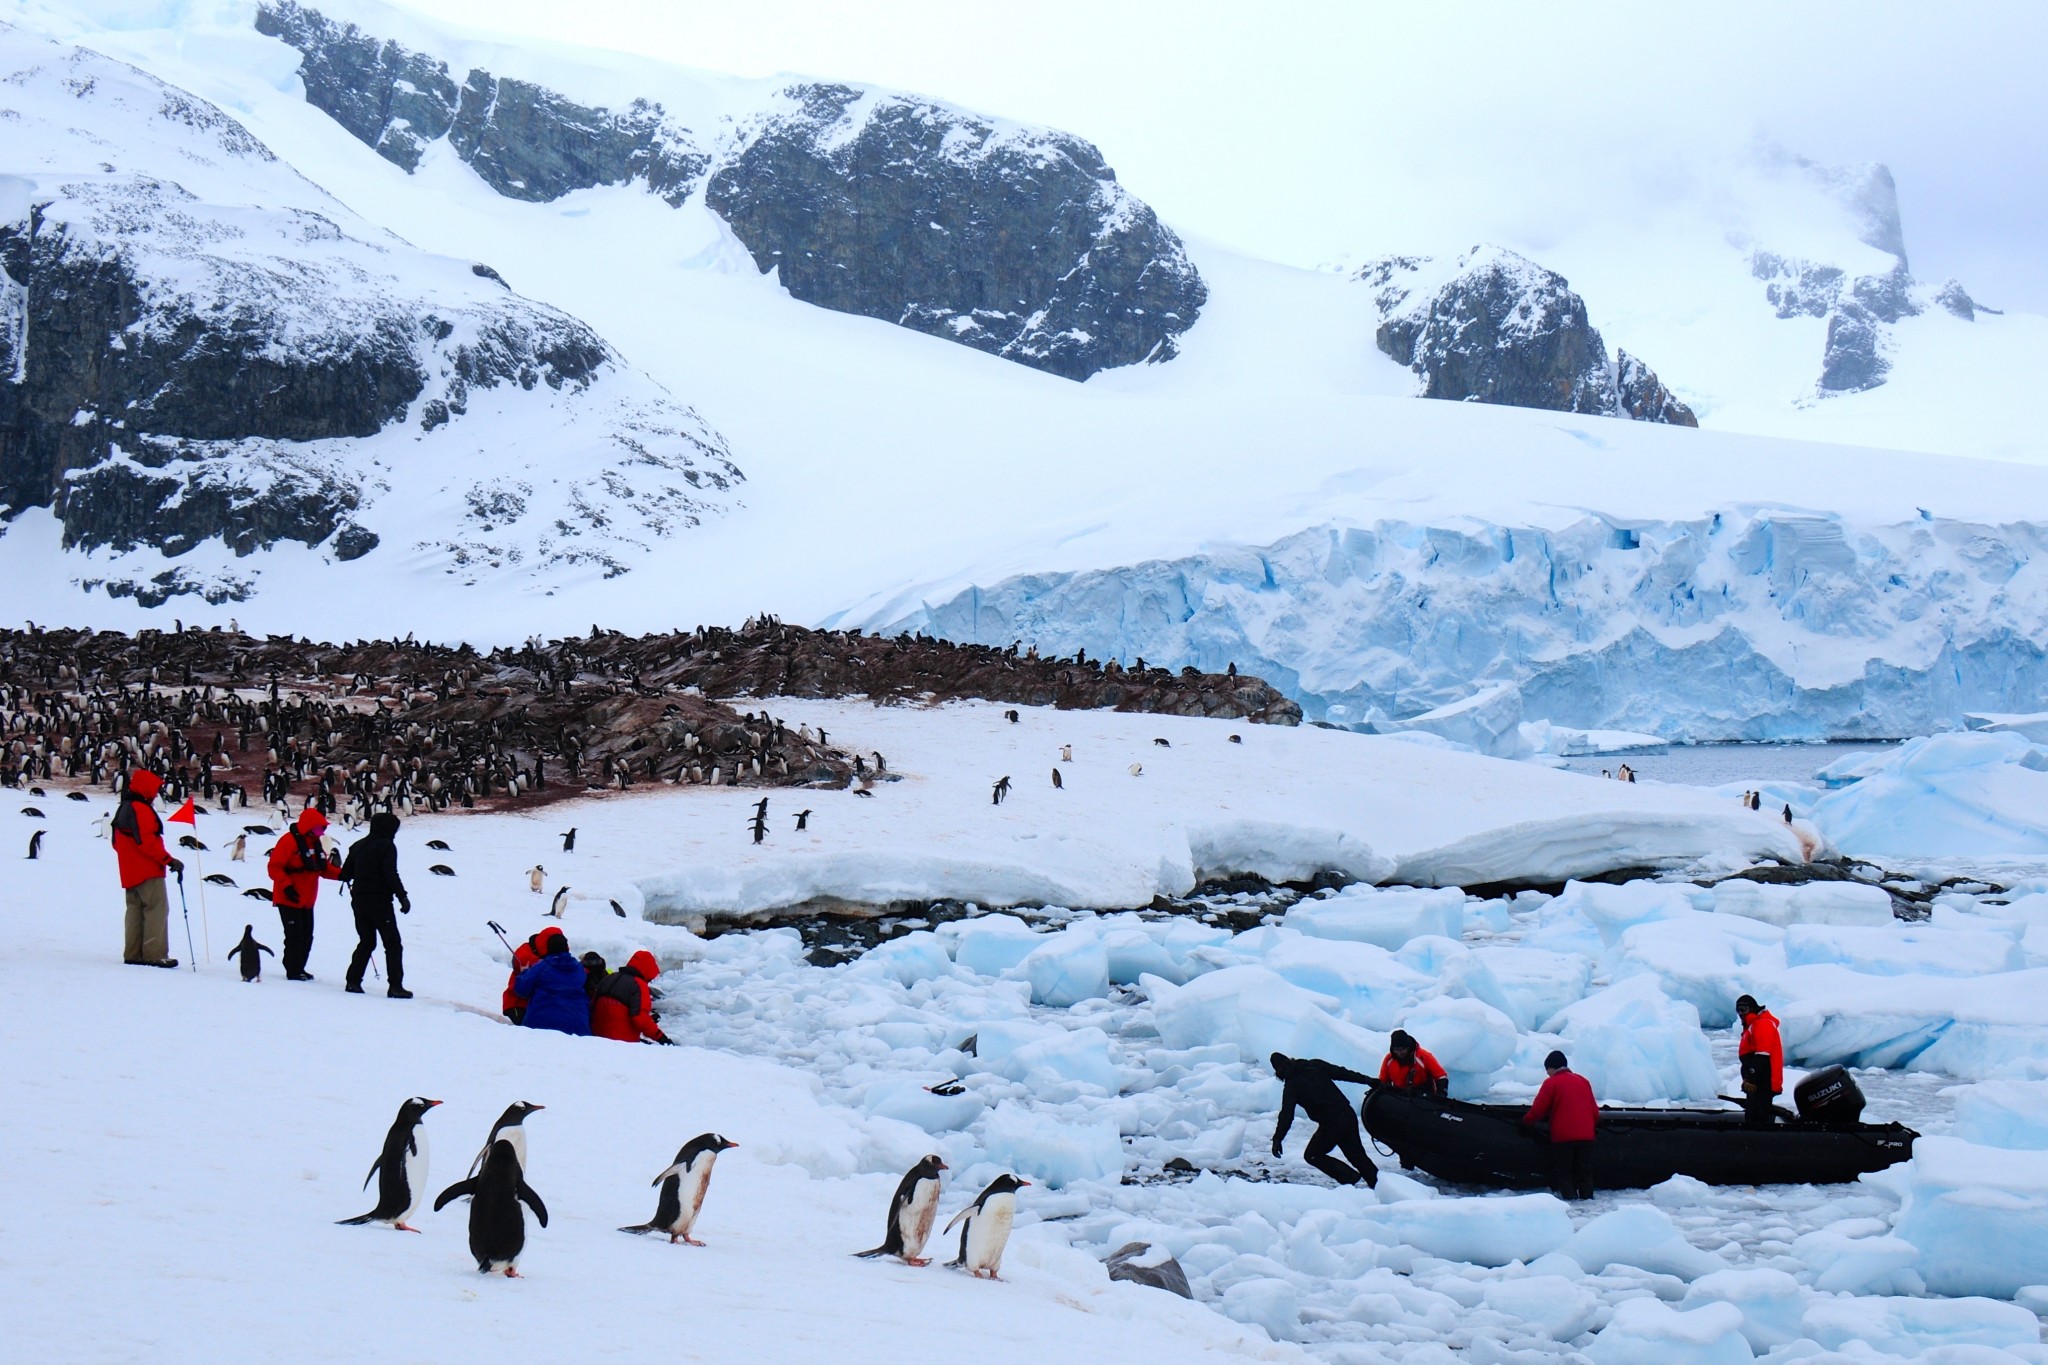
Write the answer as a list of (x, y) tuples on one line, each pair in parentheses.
[(145, 783), (546, 937), (312, 823), (644, 966)]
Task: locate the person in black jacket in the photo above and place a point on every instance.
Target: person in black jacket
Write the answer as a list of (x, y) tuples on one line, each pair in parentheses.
[(1311, 1086), (373, 883)]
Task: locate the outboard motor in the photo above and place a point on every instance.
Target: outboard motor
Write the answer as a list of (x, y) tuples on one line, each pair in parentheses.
[(1829, 1095)]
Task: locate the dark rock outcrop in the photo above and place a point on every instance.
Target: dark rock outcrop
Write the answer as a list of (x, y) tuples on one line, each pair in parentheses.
[(1797, 288), (1011, 240), (1017, 241), (1854, 359), (1502, 329), (523, 140)]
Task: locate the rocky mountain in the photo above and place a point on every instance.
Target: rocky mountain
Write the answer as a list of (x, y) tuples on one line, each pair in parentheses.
[(1495, 327), (239, 360), (1011, 239)]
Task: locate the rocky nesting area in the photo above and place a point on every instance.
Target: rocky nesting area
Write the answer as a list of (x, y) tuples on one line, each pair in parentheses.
[(225, 717)]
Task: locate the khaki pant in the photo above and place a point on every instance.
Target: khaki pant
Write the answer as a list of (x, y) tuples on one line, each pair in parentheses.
[(149, 923)]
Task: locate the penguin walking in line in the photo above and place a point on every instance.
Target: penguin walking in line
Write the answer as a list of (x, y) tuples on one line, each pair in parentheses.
[(497, 1229), (536, 876), (248, 955), (401, 1168), (682, 1189), (759, 824), (803, 821), (1002, 789), (986, 1227), (35, 846), (912, 1211), (510, 1128)]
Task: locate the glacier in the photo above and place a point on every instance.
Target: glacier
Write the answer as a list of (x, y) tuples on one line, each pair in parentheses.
[(1752, 623)]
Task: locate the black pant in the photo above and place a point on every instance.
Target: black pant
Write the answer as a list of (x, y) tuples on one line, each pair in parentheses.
[(298, 937), (1571, 1170), (1756, 1090), (1344, 1137), (374, 922)]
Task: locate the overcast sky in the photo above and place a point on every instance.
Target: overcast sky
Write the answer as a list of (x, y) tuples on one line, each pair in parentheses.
[(1312, 131)]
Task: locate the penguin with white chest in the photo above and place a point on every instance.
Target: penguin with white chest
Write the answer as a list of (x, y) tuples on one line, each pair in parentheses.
[(912, 1212), (497, 1229), (683, 1186), (511, 1129), (401, 1169), (986, 1227)]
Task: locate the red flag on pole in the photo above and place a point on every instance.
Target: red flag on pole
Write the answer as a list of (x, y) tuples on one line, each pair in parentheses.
[(185, 815)]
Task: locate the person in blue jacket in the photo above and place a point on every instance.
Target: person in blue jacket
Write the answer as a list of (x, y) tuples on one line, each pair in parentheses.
[(553, 989)]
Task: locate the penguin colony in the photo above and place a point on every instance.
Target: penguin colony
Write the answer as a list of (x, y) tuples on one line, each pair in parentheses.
[(232, 719), (496, 1187)]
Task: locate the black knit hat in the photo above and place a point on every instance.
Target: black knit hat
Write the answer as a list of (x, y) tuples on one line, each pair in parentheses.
[(1401, 1041), (1555, 1061)]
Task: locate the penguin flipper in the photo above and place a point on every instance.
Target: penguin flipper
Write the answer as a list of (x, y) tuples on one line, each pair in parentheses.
[(957, 1219), (453, 1193), (373, 1171), (540, 1210), (671, 1171)]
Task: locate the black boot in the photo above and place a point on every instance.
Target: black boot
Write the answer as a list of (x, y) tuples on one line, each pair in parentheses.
[(399, 993), (354, 988)]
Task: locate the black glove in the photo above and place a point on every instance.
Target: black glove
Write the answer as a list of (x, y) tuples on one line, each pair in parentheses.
[(404, 905), (291, 895), (664, 1040), (1276, 1146)]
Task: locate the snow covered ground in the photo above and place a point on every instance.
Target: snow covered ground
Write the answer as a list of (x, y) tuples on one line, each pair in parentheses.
[(190, 1139)]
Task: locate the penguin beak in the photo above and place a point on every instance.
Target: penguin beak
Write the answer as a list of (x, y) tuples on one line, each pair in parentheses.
[(433, 1104)]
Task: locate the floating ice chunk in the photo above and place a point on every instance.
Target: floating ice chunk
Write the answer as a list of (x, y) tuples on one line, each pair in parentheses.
[(1646, 1332), (1906, 949), (1067, 967), (1259, 1013), (1708, 961), (1386, 917), (1370, 985), (1471, 1038), (1843, 903), (1771, 1302), (1268, 1302), (1468, 976), (1959, 795), (1680, 1192), (1489, 1231), (900, 1097), (1913, 1327), (1641, 1236), (1850, 1259), (2004, 1114), (1976, 1214), (1080, 1055), (1551, 1305), (1612, 909), (1635, 1044), (990, 945), (1050, 1148), (916, 956), (1535, 983)]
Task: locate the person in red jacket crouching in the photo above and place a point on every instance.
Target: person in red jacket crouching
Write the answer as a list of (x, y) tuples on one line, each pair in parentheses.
[(1566, 1100), (624, 1008), (297, 866), (524, 956), (138, 838)]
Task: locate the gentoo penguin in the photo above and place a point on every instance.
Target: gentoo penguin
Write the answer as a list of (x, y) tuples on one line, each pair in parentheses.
[(535, 876), (618, 910), (1237, 739), (218, 879), (257, 893), (99, 826), (1066, 753), (561, 899), (1137, 769), (35, 845), (986, 1227), (803, 820), (76, 796), (1162, 742), (497, 1230), (569, 839), (240, 852), (510, 1129), (249, 957), (682, 1189), (440, 845), (1057, 784), (912, 1212), (401, 1168), (1010, 716), (442, 870)]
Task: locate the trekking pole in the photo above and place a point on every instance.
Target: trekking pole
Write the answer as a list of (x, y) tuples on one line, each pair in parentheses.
[(184, 906), (499, 930), (205, 924)]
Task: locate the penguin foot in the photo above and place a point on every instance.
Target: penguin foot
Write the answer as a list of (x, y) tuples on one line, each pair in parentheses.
[(405, 1227), (917, 1260), (512, 1273), (690, 1241)]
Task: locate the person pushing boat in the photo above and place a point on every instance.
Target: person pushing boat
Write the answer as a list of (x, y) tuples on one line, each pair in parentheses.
[(1761, 1055), (1311, 1086), (1566, 1101)]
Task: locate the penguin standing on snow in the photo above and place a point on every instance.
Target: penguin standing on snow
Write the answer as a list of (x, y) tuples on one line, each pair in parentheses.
[(401, 1168), (912, 1212), (682, 1189), (497, 1230), (535, 876), (510, 1128), (561, 900), (35, 845), (248, 955), (986, 1229), (240, 852), (569, 839)]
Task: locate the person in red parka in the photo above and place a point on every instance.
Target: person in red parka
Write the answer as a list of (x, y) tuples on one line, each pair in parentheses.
[(624, 1009), (138, 837), (525, 955), (1761, 1055), (1566, 1100), (297, 866)]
